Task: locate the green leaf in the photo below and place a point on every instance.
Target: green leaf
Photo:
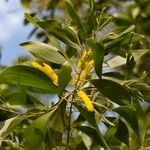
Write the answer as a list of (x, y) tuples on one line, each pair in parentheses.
[(74, 16), (113, 90), (57, 118), (27, 76), (44, 52), (64, 77), (57, 44), (117, 39), (115, 75), (56, 29), (143, 88), (32, 19), (60, 31), (120, 131), (11, 124), (34, 135), (92, 133), (141, 119), (129, 115), (36, 132), (91, 3), (139, 53), (98, 56), (90, 117)]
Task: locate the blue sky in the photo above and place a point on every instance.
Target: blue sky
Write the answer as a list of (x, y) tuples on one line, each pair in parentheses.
[(12, 30)]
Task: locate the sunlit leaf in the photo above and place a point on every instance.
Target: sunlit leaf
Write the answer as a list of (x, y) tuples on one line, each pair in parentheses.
[(44, 52), (27, 76)]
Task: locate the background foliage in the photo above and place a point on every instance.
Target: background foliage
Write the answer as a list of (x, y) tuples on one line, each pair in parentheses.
[(88, 83)]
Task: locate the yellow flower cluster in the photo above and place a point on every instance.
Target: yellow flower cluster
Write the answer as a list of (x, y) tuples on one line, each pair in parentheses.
[(86, 100), (47, 70), (85, 71), (84, 58)]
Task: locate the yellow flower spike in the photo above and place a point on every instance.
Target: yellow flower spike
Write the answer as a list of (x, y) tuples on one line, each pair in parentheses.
[(85, 71), (47, 70), (86, 100), (83, 58)]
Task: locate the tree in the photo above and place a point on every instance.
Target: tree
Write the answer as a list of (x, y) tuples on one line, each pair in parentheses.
[(89, 69)]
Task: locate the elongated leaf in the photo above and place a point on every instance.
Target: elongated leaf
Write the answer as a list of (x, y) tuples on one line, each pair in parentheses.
[(35, 133), (64, 77), (74, 16), (11, 124), (44, 52), (57, 44), (114, 91), (56, 29), (117, 39), (139, 53), (91, 2), (120, 131), (143, 88), (57, 118), (60, 31), (32, 19), (130, 116), (27, 76), (90, 117), (92, 133), (98, 56), (115, 75)]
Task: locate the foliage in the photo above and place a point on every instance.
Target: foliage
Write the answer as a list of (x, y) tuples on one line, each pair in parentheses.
[(90, 78)]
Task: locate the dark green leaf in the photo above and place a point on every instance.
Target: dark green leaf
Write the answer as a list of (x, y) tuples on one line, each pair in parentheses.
[(64, 76), (129, 115), (27, 76), (44, 52), (122, 132), (92, 133), (115, 75), (98, 56), (113, 90), (90, 117)]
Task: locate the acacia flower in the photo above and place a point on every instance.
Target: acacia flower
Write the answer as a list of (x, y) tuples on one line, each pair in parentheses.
[(84, 57), (47, 70), (86, 100), (85, 71)]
